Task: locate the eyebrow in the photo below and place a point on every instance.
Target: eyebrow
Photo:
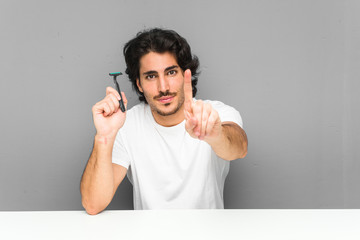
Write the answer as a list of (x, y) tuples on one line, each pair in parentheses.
[(171, 67), (166, 69)]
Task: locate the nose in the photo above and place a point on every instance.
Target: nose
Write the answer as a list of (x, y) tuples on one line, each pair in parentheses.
[(163, 84)]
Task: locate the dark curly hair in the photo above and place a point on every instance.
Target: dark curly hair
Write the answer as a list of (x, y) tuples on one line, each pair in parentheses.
[(159, 41)]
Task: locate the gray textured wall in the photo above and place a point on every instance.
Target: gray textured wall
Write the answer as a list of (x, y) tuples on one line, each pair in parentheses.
[(290, 67)]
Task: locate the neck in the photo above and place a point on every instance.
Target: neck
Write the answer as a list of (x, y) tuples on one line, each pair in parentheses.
[(170, 120)]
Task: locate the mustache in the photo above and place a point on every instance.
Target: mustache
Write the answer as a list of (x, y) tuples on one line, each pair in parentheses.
[(164, 94)]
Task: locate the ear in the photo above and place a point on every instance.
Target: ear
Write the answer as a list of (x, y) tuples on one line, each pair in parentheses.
[(138, 85)]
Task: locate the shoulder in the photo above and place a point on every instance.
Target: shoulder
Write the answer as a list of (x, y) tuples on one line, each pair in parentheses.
[(136, 111), (135, 115), (216, 104), (219, 106)]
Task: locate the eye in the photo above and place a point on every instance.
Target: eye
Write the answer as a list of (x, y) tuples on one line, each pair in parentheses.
[(172, 72), (150, 76)]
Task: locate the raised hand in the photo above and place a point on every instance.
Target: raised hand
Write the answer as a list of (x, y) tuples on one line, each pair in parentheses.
[(202, 120), (108, 118)]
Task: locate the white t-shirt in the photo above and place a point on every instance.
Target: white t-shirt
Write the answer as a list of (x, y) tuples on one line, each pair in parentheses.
[(166, 166)]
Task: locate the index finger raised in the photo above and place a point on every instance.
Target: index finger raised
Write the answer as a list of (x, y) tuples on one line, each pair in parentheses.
[(188, 91)]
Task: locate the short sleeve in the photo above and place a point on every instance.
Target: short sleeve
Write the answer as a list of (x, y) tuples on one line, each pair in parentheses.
[(120, 155), (227, 113)]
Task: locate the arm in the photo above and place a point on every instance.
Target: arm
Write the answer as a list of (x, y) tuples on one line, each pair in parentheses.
[(101, 177), (231, 143), (227, 139)]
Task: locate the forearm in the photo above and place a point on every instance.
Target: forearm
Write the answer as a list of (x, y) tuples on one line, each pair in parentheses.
[(97, 183), (231, 143)]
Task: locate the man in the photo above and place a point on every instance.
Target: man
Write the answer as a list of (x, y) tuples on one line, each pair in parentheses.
[(175, 149)]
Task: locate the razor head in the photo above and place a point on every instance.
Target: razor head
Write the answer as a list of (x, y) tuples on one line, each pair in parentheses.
[(115, 74)]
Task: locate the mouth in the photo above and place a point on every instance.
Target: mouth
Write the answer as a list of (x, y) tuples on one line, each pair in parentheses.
[(166, 99)]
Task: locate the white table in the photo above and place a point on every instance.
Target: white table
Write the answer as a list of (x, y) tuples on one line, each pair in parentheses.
[(182, 224)]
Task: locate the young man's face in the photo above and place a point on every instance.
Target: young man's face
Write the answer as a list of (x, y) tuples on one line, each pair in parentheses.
[(162, 82)]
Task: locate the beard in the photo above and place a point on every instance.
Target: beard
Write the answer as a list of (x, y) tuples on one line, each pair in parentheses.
[(170, 111)]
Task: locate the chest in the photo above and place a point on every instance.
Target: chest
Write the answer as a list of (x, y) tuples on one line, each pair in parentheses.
[(170, 154)]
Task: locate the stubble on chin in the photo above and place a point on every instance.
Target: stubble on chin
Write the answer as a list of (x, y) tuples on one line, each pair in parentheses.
[(154, 108)]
